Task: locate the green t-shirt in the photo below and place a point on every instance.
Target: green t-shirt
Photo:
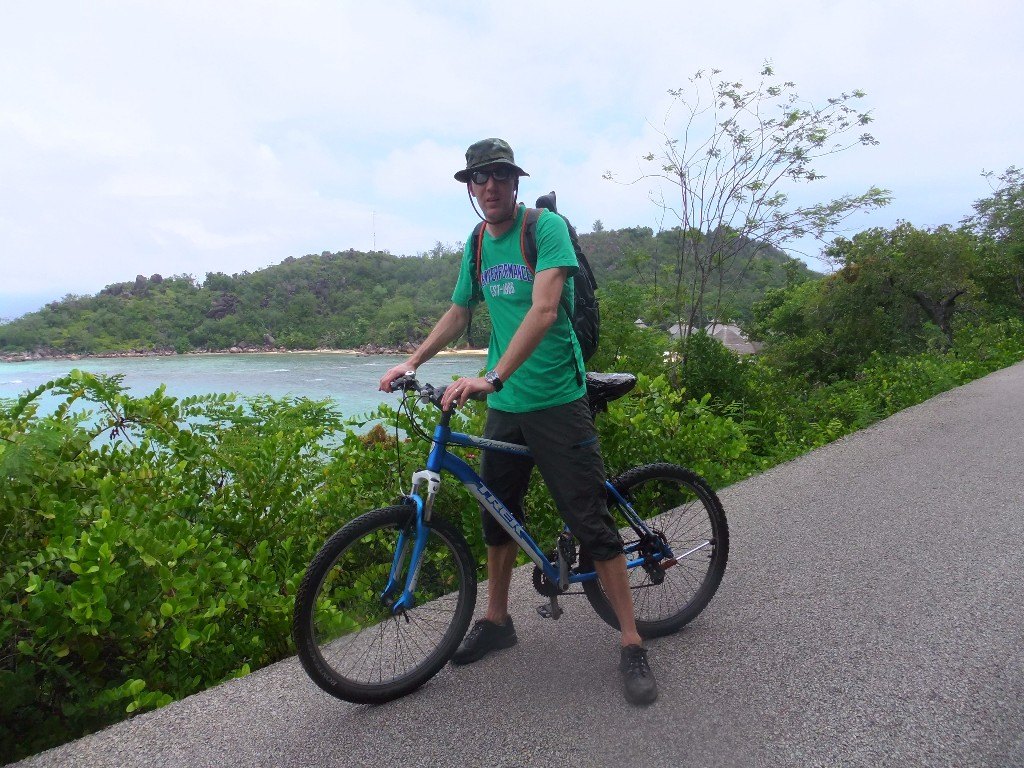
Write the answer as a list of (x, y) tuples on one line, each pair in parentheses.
[(547, 377)]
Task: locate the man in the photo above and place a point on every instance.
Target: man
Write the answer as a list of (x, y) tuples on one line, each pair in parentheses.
[(536, 397)]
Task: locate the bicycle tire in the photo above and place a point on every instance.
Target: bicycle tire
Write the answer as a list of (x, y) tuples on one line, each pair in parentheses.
[(681, 505), (348, 640)]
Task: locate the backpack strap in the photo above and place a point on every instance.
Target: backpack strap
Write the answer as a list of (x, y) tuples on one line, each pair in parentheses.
[(476, 276), (528, 238), (527, 246)]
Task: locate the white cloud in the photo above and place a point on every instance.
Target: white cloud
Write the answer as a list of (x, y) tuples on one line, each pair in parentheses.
[(195, 137)]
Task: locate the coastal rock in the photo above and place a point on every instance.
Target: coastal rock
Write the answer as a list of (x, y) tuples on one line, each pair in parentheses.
[(405, 348)]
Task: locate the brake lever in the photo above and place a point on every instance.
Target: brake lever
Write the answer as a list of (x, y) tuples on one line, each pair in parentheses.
[(428, 393), (431, 394), (405, 383)]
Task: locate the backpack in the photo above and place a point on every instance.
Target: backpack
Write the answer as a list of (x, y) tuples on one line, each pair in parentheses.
[(584, 315)]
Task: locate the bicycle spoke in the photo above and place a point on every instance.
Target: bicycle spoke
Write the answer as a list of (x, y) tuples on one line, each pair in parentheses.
[(356, 647), (678, 509)]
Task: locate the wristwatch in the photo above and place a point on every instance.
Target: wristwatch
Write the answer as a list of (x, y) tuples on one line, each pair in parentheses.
[(492, 378)]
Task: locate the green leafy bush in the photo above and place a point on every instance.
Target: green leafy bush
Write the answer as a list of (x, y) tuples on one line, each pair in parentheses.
[(151, 546), (703, 366), (674, 428)]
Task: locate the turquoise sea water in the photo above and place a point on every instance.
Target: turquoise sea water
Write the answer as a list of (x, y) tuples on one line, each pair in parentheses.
[(349, 379)]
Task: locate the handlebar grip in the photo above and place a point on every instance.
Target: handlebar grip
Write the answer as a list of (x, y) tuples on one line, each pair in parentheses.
[(436, 394), (406, 383), (428, 393)]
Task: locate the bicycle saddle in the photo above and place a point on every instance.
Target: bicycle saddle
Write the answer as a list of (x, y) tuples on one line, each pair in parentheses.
[(602, 388)]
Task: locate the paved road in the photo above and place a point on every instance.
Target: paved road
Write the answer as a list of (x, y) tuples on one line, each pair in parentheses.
[(871, 615)]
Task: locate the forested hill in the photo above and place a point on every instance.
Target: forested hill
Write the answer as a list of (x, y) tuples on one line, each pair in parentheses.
[(334, 300)]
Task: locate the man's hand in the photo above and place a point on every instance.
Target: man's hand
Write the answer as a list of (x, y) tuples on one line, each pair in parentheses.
[(448, 329), (458, 392), (397, 372)]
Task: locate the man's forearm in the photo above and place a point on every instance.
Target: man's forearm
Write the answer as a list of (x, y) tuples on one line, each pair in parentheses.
[(448, 328), (547, 290), (529, 334)]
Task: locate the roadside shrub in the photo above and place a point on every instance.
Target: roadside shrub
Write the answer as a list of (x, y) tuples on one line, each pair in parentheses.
[(151, 547), (706, 367), (657, 422)]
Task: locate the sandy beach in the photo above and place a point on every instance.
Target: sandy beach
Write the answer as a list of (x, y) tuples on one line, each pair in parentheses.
[(22, 357)]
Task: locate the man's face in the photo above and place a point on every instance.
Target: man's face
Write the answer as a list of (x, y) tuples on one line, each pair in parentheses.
[(497, 194)]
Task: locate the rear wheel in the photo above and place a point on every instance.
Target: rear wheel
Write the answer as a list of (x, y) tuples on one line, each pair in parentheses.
[(349, 640), (682, 511)]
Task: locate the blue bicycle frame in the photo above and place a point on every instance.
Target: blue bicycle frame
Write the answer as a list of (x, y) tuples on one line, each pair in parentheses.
[(441, 460)]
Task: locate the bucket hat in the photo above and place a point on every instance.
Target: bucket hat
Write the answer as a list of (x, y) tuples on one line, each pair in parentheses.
[(486, 153)]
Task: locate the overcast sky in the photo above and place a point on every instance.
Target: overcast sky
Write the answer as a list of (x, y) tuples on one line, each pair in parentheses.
[(187, 137)]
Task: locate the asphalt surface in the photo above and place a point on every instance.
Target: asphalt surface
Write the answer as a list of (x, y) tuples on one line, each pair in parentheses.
[(872, 614)]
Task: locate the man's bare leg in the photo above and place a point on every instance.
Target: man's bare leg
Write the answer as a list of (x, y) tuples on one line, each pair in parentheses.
[(495, 630), (638, 680), (500, 560), (615, 582)]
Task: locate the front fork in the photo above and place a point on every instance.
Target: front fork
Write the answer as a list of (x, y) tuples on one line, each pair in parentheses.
[(413, 536)]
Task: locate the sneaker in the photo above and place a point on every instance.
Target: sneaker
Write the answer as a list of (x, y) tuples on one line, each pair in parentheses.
[(637, 679), (484, 637)]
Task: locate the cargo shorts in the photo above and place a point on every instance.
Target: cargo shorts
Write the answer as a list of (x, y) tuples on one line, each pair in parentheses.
[(565, 449)]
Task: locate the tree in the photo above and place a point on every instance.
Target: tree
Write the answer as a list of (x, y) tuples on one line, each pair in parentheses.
[(626, 346), (931, 268), (825, 329), (1001, 216), (999, 220), (897, 290), (739, 148)]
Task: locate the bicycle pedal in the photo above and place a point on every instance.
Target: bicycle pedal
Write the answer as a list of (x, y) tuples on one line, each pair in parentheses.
[(550, 610)]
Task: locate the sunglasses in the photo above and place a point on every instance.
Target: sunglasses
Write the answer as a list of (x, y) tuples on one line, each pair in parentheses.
[(500, 173)]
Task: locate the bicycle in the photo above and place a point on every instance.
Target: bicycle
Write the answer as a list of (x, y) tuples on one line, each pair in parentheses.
[(388, 598)]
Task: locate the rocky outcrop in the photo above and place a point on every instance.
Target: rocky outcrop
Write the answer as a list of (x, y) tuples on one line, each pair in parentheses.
[(406, 348), (51, 354)]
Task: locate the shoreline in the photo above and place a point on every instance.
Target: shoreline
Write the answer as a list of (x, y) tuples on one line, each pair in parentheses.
[(367, 350)]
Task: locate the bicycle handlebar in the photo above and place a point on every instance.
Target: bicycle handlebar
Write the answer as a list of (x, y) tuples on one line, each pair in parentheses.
[(427, 392), (406, 383)]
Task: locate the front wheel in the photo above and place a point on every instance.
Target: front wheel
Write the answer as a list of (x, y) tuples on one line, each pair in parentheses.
[(682, 511), (350, 639)]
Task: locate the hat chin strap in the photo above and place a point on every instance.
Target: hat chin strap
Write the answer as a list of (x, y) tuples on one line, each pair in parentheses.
[(510, 217)]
